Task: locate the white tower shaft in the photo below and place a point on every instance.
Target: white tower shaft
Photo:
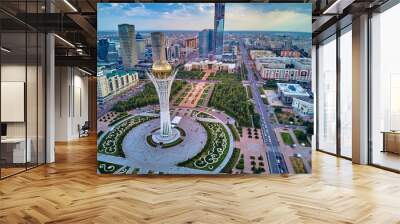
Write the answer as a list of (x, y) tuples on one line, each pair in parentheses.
[(163, 88)]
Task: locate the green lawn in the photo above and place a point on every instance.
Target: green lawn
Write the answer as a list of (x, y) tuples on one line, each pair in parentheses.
[(232, 161), (261, 90), (172, 144), (285, 117), (287, 138), (189, 75), (106, 168), (215, 150), (250, 94), (224, 76), (111, 144), (302, 138), (265, 100), (234, 132)]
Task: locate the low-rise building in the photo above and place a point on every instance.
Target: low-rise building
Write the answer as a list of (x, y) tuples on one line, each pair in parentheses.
[(293, 54), (210, 65), (254, 54), (303, 106), (288, 91), (284, 68), (111, 82)]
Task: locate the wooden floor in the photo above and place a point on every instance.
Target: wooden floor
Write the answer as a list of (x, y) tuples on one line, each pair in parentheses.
[(70, 191)]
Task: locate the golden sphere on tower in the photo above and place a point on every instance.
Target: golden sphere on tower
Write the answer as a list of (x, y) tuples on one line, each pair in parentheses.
[(161, 70)]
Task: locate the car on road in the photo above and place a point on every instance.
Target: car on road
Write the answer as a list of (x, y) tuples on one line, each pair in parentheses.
[(298, 155)]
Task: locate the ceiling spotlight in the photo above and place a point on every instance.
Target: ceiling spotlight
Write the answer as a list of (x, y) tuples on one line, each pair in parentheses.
[(84, 71), (5, 50), (64, 40), (70, 5)]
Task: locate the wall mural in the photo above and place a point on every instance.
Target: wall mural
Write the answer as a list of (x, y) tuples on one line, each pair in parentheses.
[(204, 88)]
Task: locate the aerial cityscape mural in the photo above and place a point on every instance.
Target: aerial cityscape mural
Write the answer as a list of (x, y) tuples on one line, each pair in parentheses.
[(204, 88)]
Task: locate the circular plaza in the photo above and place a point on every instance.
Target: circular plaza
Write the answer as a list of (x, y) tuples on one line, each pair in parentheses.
[(141, 154), (204, 147)]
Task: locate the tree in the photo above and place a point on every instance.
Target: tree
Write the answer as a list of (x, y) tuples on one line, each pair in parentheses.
[(278, 110), (310, 130)]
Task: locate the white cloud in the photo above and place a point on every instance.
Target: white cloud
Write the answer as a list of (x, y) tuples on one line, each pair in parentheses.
[(241, 17), (140, 10), (200, 16)]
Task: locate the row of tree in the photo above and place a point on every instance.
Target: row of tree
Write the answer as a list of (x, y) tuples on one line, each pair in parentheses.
[(147, 97), (189, 74), (231, 98)]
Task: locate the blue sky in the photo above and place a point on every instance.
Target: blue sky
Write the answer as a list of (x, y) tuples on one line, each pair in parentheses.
[(197, 16)]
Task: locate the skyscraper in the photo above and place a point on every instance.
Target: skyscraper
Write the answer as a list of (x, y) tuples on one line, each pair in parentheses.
[(219, 19), (112, 52), (205, 42), (141, 46), (102, 49), (127, 39)]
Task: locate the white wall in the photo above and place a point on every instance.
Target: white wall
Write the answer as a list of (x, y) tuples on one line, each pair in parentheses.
[(12, 73), (71, 102)]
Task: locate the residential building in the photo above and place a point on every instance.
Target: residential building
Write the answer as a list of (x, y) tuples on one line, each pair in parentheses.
[(255, 54), (294, 54), (112, 82), (283, 68), (303, 106)]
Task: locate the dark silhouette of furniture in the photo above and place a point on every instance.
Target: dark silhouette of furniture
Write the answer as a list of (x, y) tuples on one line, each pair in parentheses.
[(84, 130)]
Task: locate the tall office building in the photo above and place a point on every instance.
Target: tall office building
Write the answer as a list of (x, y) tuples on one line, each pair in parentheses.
[(205, 42), (141, 46), (102, 49), (112, 47), (176, 51), (127, 41), (112, 53), (219, 19)]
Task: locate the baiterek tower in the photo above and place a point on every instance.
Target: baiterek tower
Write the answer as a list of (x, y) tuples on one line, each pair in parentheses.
[(162, 76)]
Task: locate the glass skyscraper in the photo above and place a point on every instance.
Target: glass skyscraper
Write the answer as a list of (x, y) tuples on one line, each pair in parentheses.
[(127, 40), (206, 42), (141, 46), (102, 49), (219, 17)]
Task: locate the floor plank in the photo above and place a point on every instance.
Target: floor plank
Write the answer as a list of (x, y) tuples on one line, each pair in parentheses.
[(70, 191)]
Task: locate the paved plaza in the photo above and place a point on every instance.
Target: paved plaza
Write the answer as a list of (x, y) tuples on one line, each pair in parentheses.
[(140, 154)]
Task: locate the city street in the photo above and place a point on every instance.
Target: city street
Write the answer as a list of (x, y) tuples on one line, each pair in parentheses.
[(275, 158)]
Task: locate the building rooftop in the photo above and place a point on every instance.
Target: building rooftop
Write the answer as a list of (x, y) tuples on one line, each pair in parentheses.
[(118, 72), (304, 99), (292, 89), (281, 62)]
